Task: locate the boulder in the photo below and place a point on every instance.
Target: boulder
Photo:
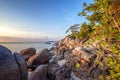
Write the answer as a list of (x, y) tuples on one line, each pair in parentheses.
[(63, 74), (56, 72), (28, 52), (51, 71), (73, 77), (42, 57), (8, 67), (40, 73), (22, 66)]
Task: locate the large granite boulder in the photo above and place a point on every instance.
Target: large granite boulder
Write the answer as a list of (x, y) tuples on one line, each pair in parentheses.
[(28, 52), (42, 57), (8, 67), (40, 73), (22, 66)]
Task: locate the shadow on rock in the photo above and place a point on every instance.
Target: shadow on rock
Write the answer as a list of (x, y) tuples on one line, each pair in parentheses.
[(8, 67), (40, 73), (22, 66)]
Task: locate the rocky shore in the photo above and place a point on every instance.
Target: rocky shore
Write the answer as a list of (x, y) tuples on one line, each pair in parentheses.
[(68, 60)]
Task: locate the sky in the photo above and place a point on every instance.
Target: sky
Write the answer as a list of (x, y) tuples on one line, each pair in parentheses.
[(38, 20)]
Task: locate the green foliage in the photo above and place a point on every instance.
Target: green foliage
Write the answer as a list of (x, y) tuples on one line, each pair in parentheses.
[(103, 26), (84, 31), (115, 68), (77, 65), (74, 29)]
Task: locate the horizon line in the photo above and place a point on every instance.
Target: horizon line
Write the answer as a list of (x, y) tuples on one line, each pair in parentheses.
[(31, 41)]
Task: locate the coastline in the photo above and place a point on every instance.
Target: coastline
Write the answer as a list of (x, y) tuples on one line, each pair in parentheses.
[(69, 59)]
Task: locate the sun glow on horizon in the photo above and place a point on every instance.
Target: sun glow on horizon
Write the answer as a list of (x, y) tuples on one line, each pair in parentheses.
[(13, 32)]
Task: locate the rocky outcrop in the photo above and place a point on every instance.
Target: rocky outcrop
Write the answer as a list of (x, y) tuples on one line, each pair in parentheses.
[(28, 52), (42, 57), (8, 67), (40, 73), (79, 59), (22, 66)]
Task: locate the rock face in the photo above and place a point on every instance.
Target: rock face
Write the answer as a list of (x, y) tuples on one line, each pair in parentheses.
[(28, 52), (40, 73), (42, 57), (80, 59), (8, 67), (22, 66)]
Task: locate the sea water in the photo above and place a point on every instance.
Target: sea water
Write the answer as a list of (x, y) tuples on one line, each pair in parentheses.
[(17, 46)]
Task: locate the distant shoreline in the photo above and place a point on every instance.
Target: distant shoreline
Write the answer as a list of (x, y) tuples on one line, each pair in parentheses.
[(27, 42), (21, 42)]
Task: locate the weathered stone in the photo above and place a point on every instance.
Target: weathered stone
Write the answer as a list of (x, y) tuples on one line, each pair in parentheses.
[(56, 72), (40, 73), (53, 60), (28, 52), (22, 66), (62, 62), (51, 71), (63, 74), (73, 77), (8, 67), (60, 57)]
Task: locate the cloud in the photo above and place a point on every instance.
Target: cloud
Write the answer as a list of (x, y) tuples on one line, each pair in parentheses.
[(17, 39)]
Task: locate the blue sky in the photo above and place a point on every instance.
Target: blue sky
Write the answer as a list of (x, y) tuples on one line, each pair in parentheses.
[(48, 19)]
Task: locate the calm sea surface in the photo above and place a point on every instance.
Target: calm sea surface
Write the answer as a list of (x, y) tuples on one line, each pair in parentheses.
[(17, 46)]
